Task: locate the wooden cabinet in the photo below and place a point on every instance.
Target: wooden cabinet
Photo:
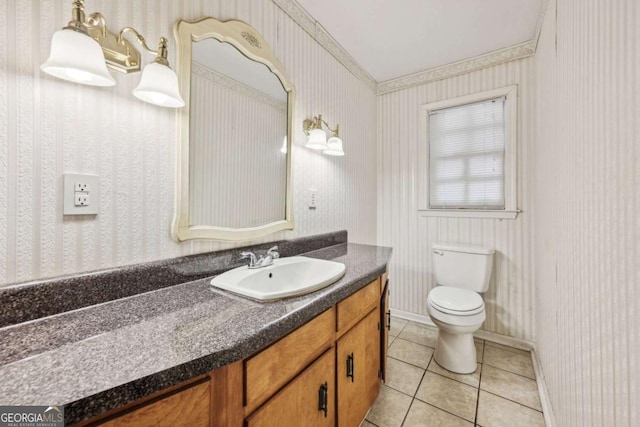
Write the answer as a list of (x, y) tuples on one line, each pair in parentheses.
[(353, 308), (358, 362), (273, 367), (325, 373), (308, 400)]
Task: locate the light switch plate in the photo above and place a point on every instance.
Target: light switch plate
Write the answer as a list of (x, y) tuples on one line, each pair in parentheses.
[(90, 186)]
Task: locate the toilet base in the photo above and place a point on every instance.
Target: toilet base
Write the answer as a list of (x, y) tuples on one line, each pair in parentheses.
[(456, 352)]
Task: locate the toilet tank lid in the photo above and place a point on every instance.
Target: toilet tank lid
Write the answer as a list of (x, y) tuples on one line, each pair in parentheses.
[(471, 249)]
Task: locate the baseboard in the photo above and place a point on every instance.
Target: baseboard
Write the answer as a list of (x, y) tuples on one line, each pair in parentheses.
[(545, 400), (521, 344), (483, 335), (412, 316)]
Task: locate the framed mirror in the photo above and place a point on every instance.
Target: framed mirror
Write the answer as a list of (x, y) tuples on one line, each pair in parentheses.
[(234, 158)]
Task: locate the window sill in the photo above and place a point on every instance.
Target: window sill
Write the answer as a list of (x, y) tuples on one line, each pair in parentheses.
[(468, 213)]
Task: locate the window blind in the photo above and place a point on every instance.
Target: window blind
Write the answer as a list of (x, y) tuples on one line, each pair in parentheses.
[(466, 156)]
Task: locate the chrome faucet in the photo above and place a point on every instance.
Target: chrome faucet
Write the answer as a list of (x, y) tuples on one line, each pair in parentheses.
[(273, 252), (263, 261), (253, 260)]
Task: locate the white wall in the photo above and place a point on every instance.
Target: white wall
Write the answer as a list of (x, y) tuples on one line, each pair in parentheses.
[(587, 211), (48, 127), (509, 300)]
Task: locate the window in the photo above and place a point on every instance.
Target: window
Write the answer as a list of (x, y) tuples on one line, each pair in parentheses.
[(470, 151)]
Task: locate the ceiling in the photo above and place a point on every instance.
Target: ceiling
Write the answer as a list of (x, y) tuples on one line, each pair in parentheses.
[(391, 39)]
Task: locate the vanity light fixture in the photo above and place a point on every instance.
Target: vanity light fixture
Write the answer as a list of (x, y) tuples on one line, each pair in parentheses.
[(317, 137), (82, 51)]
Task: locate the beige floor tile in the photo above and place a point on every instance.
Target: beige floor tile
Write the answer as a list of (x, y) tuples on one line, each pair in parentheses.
[(421, 414), (419, 335), (402, 376), (479, 351), (390, 408), (424, 325), (511, 386), (412, 353), (450, 395), (507, 348), (494, 411), (366, 423), (397, 325), (469, 379), (509, 361), (391, 340)]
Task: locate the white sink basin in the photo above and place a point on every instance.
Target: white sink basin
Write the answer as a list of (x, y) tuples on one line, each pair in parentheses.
[(286, 277)]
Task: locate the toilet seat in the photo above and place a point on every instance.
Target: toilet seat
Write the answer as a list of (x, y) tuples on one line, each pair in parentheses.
[(455, 301)]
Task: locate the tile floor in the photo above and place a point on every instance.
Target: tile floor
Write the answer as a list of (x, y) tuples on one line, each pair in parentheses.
[(418, 392)]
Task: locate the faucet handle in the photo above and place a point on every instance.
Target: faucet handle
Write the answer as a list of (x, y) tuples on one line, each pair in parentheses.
[(252, 258), (274, 252)]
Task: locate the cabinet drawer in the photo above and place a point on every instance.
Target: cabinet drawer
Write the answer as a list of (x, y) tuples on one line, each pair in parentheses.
[(352, 309), (269, 370), (298, 404), (189, 408)]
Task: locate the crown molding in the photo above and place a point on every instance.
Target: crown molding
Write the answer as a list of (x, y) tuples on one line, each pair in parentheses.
[(317, 31), (201, 70), (490, 59)]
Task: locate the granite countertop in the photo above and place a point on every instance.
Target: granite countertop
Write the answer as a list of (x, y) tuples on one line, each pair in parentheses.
[(103, 356)]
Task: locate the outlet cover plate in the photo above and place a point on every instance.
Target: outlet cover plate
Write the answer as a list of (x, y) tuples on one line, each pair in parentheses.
[(92, 185)]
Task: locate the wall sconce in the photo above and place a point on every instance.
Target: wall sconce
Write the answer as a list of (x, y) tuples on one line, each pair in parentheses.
[(82, 51), (317, 137)]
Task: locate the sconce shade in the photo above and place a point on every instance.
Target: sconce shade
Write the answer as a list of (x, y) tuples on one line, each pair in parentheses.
[(317, 140), (283, 150), (334, 147), (159, 86), (78, 58)]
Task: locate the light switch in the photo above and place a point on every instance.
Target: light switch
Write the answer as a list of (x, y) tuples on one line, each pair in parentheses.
[(313, 198), (81, 194)]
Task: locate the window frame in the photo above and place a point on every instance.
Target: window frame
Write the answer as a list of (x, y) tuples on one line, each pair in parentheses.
[(510, 210)]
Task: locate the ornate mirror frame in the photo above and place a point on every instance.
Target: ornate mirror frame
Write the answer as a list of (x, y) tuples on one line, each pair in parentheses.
[(249, 42)]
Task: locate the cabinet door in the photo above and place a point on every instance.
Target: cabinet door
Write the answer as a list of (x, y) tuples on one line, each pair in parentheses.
[(308, 400), (358, 362), (385, 321)]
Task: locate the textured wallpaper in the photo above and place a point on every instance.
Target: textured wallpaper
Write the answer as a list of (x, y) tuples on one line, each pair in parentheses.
[(509, 300), (49, 127), (587, 211)]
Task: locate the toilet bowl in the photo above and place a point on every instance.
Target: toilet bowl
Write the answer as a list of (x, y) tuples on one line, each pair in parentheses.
[(457, 313), (455, 304)]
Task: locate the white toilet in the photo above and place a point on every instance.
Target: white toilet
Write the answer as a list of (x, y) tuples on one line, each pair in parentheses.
[(455, 304)]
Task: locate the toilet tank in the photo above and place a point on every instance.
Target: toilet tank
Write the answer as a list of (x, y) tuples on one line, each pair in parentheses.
[(460, 266)]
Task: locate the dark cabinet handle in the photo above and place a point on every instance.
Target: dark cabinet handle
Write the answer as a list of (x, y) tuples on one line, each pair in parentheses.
[(389, 320), (323, 400), (350, 366)]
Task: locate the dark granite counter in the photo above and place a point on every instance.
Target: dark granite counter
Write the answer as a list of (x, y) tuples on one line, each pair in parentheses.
[(102, 356)]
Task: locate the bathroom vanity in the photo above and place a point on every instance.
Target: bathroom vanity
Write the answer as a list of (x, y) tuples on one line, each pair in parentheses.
[(189, 354)]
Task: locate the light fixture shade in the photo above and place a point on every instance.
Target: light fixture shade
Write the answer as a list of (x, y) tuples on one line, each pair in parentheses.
[(159, 86), (317, 140), (334, 147), (78, 58), (283, 150)]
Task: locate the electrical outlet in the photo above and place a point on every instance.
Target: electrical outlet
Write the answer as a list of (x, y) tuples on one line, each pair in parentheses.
[(81, 194), (81, 186), (82, 199)]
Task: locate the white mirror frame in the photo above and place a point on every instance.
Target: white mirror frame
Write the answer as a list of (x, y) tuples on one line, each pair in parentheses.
[(250, 43)]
